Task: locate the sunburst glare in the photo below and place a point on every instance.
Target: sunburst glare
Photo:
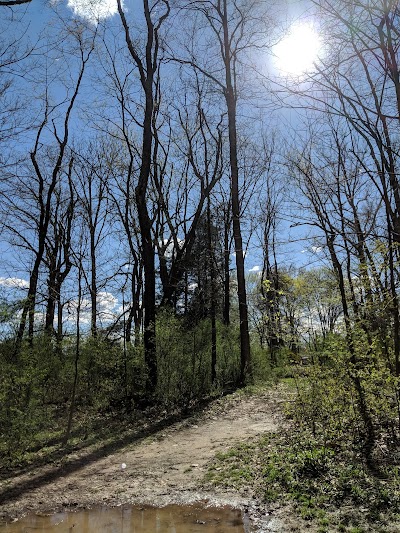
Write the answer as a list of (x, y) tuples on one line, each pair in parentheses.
[(296, 53)]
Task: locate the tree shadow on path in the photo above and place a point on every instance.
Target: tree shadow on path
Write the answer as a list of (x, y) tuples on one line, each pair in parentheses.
[(73, 465)]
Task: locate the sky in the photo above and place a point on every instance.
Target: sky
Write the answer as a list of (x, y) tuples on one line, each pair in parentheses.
[(39, 16)]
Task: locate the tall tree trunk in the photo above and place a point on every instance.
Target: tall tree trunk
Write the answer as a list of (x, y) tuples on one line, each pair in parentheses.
[(59, 336), (147, 69), (28, 311), (51, 292), (245, 354), (227, 259), (93, 283), (213, 305), (149, 293), (77, 356)]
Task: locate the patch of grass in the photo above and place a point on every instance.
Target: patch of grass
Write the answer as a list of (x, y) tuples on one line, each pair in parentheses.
[(317, 478), (237, 471), (289, 382)]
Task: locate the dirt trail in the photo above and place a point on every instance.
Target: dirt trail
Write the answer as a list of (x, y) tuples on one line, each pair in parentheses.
[(164, 468)]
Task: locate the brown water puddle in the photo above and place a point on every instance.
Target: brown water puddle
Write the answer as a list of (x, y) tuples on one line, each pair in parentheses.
[(169, 519)]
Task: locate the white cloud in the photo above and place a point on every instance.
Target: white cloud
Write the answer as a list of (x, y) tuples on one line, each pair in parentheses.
[(313, 249), (106, 305), (71, 308), (93, 10), (14, 283), (170, 247), (106, 300), (108, 308), (234, 254), (192, 286), (255, 268)]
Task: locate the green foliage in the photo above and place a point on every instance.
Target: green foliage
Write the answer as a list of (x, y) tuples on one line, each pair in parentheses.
[(237, 468), (328, 402), (264, 371), (101, 372), (319, 464), (297, 309), (261, 360), (8, 310), (24, 391), (36, 388), (184, 359), (317, 479)]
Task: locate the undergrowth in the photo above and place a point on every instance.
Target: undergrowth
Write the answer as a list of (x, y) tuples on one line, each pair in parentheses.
[(318, 468), (327, 485)]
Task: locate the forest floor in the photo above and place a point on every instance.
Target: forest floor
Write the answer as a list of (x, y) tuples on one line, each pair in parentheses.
[(164, 460), (157, 467)]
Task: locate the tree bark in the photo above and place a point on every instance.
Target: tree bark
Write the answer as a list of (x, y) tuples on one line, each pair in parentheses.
[(230, 97), (147, 70)]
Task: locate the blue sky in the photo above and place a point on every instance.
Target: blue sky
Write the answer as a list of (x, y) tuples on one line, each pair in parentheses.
[(39, 17)]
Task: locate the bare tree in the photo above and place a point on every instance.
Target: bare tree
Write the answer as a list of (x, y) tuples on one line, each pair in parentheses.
[(226, 29), (17, 62), (270, 283), (58, 251), (325, 187), (92, 175), (357, 80), (147, 66), (47, 178), (203, 152)]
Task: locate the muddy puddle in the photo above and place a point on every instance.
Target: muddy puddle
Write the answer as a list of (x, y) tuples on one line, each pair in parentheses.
[(128, 519)]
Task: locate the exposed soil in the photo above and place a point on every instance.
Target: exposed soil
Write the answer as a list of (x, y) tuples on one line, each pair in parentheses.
[(166, 467)]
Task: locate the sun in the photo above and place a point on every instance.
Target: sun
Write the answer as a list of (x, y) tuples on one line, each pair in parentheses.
[(93, 10), (296, 53)]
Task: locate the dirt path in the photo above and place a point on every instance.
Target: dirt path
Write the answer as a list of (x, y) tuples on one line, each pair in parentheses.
[(164, 468)]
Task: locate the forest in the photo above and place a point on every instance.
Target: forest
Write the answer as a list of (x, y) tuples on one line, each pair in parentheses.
[(179, 218)]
